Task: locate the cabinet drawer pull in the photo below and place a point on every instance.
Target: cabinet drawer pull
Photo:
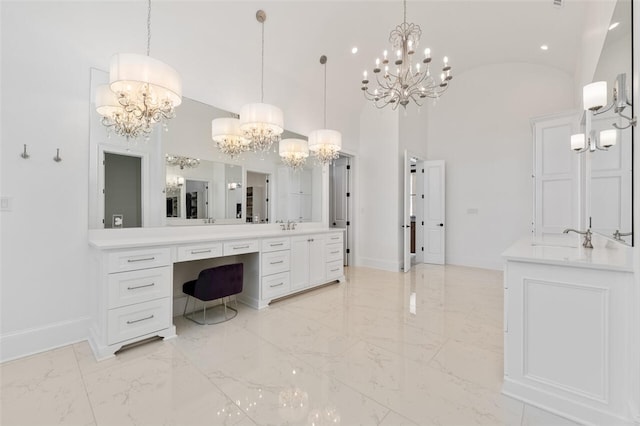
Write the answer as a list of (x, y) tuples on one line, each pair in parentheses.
[(335, 238), (335, 270), (310, 240), (141, 260), (334, 252), (200, 251), (276, 285), (141, 286), (241, 247), (141, 319), (276, 245), (275, 263)]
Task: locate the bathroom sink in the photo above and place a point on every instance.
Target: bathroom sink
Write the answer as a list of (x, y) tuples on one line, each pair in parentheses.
[(554, 244)]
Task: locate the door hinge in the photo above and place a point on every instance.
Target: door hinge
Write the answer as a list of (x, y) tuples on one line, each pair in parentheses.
[(103, 221), (348, 166), (423, 196), (348, 251), (348, 194), (103, 190), (422, 170), (348, 223), (267, 200), (267, 180), (423, 223), (422, 249)]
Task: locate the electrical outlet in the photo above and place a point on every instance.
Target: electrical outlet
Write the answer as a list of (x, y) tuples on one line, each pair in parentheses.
[(5, 204)]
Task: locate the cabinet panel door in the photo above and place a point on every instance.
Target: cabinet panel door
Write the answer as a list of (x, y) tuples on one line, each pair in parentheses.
[(300, 262), (317, 259)]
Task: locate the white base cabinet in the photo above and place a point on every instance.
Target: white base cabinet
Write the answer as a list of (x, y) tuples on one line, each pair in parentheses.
[(308, 261), (567, 334)]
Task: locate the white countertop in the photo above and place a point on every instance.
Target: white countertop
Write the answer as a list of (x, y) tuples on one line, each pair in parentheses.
[(606, 254), (135, 237)]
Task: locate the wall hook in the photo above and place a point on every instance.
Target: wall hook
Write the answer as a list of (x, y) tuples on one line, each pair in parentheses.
[(24, 152), (57, 158)]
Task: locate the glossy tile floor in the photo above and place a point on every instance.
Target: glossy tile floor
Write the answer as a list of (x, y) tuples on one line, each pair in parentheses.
[(422, 348)]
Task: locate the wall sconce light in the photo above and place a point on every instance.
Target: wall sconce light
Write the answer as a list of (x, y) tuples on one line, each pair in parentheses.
[(232, 186), (594, 98)]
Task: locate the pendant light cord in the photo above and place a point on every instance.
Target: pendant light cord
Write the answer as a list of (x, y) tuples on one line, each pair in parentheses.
[(325, 94), (148, 27), (261, 67)]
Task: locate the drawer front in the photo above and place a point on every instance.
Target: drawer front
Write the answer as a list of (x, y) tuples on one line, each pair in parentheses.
[(334, 238), (131, 260), (137, 320), (335, 270), (274, 244), (275, 262), (128, 288), (199, 251), (275, 285), (334, 252), (240, 247)]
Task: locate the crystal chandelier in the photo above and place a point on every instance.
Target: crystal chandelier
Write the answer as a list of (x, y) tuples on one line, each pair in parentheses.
[(325, 144), (142, 91), (406, 82), (293, 152), (226, 133), (260, 123), (176, 160), (174, 184)]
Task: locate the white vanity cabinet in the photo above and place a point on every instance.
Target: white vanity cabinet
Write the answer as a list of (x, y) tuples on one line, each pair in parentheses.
[(567, 326), (275, 264), (133, 290), (307, 261)]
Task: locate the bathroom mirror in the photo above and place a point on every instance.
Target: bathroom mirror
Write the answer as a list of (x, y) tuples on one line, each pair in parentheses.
[(215, 192), (609, 174)]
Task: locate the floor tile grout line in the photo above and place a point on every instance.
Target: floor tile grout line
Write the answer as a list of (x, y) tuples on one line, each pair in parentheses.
[(84, 384)]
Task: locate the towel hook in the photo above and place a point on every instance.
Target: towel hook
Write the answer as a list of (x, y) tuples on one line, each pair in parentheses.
[(24, 152), (57, 158)]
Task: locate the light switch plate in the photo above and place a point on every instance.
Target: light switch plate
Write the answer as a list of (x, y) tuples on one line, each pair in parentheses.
[(5, 204)]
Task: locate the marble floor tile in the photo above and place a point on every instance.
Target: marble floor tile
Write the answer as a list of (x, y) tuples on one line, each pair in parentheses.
[(44, 389), (382, 348)]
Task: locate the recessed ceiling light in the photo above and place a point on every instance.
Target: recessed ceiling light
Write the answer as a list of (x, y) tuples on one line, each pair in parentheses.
[(614, 25), (544, 47), (354, 50)]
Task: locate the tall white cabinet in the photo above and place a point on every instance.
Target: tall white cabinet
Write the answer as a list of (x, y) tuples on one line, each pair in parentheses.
[(556, 175)]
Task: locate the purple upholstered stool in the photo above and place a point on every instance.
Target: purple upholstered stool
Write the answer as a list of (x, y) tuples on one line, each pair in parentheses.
[(214, 283)]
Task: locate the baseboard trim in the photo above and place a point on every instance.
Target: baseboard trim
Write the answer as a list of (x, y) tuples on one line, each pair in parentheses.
[(385, 265), (34, 340)]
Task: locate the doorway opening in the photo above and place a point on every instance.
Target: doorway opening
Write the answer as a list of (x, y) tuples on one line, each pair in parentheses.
[(341, 202)]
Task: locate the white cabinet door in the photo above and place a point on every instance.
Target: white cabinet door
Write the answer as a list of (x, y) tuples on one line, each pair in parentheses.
[(299, 262), (317, 259)]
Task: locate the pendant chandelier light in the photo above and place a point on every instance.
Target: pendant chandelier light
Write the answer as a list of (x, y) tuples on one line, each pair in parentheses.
[(142, 91), (182, 162), (404, 82), (226, 133), (260, 123), (325, 144), (293, 152)]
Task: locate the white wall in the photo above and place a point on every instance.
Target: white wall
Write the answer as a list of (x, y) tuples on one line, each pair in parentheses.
[(378, 190), (481, 128)]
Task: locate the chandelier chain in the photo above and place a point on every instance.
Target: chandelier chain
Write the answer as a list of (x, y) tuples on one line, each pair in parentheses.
[(405, 10), (148, 27), (325, 94)]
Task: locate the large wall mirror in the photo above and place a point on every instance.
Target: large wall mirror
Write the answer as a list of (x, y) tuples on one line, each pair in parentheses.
[(186, 180), (609, 174)]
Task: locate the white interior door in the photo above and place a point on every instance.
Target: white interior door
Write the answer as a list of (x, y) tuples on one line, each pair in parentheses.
[(434, 211), (406, 216)]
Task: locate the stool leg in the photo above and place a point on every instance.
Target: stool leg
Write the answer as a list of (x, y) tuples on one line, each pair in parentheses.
[(224, 300), (184, 314), (204, 312)]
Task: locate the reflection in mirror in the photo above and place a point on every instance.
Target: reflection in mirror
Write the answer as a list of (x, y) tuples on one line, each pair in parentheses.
[(257, 200), (122, 191), (609, 173)]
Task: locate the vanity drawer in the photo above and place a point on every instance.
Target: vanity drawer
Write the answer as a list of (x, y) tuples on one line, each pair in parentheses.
[(335, 270), (199, 251), (273, 244), (128, 288), (275, 262), (137, 320), (334, 238), (240, 247), (131, 260), (275, 285), (333, 252)]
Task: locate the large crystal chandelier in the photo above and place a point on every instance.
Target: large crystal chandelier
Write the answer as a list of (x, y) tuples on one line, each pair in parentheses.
[(142, 91), (325, 144), (226, 133), (398, 81), (261, 123), (293, 152)]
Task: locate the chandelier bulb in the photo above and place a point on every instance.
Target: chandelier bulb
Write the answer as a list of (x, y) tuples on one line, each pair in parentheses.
[(427, 52), (384, 54), (377, 62), (364, 74)]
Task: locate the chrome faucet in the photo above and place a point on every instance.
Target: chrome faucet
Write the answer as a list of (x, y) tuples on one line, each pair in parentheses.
[(617, 235), (587, 236)]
